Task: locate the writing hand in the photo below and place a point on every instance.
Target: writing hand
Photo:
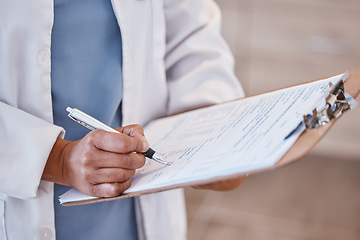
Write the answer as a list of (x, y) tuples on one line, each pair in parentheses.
[(101, 164)]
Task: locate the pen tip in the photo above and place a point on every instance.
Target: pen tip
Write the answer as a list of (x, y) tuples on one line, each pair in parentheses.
[(159, 159)]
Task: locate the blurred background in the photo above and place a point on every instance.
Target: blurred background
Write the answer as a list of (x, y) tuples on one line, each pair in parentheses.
[(278, 43)]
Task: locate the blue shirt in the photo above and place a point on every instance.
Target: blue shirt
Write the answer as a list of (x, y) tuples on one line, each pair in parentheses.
[(86, 73)]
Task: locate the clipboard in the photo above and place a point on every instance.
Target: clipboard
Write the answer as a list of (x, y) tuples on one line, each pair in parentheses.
[(307, 141), (303, 145)]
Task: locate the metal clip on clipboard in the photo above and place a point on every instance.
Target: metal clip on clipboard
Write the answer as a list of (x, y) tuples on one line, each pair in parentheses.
[(337, 103)]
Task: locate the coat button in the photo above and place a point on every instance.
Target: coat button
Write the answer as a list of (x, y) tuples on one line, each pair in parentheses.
[(45, 234), (43, 57)]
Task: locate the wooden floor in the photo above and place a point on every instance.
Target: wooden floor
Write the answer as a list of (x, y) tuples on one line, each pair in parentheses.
[(278, 43), (315, 198)]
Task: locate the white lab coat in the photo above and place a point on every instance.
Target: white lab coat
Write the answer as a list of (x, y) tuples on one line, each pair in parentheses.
[(173, 60)]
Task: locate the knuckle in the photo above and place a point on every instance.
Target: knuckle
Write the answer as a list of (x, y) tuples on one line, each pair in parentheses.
[(121, 174), (92, 137), (89, 138), (119, 129), (108, 189), (135, 130), (85, 165), (95, 133), (87, 147), (101, 190), (84, 174), (95, 190), (124, 144), (138, 128), (126, 160), (130, 160), (85, 159)]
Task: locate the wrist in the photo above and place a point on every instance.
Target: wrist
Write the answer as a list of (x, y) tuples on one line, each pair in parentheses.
[(54, 168)]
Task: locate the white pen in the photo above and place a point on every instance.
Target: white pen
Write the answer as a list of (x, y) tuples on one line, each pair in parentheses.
[(92, 124)]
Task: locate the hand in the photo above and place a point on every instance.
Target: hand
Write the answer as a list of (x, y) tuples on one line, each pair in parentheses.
[(101, 164), (225, 185)]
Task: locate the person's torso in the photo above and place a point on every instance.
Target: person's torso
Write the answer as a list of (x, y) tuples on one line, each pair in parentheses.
[(86, 73)]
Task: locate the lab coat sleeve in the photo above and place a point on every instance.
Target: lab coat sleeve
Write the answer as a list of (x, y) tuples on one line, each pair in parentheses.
[(199, 64), (26, 142)]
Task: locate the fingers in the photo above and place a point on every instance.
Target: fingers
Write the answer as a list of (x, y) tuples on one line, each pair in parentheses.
[(111, 175), (104, 182), (102, 163), (118, 142), (108, 189), (134, 131), (102, 167), (117, 160)]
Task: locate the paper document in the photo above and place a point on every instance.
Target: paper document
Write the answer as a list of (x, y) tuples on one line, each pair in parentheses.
[(238, 137)]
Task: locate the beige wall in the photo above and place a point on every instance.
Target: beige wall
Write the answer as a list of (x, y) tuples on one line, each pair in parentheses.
[(278, 43)]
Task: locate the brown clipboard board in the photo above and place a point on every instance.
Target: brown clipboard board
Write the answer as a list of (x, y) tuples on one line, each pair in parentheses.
[(304, 144)]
